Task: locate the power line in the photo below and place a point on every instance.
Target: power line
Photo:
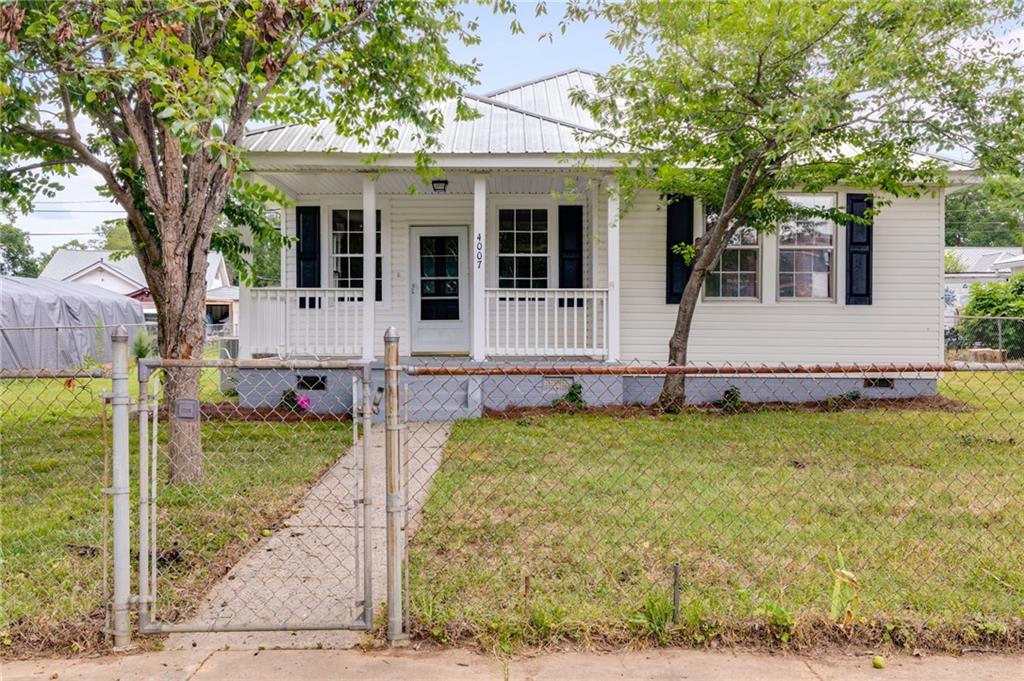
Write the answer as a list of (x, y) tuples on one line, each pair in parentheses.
[(84, 201), (67, 210)]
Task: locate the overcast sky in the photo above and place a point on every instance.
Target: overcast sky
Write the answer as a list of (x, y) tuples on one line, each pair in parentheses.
[(506, 59)]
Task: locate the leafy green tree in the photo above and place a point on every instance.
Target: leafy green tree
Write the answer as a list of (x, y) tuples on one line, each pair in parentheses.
[(952, 264), (73, 245), (989, 214), (734, 101), (113, 235), (994, 316), (170, 87), (16, 255)]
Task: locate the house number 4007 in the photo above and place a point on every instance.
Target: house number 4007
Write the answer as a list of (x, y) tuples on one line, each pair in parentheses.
[(479, 251)]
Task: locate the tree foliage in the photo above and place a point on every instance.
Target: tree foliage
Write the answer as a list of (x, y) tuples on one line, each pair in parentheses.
[(989, 214), (952, 263), (994, 316), (735, 101), (16, 255), (156, 97)]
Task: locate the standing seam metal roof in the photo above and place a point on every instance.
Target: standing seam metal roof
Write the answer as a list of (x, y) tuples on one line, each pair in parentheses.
[(535, 117)]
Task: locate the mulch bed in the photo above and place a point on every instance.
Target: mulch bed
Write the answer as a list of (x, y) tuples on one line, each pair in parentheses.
[(933, 403)]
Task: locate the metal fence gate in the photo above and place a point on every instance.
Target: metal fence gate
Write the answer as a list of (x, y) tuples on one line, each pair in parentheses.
[(264, 523)]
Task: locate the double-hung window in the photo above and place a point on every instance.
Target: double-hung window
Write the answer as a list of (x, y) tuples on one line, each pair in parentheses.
[(347, 250), (807, 252), (522, 248), (735, 275)]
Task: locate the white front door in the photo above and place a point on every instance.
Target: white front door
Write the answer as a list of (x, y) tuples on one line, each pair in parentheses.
[(439, 290)]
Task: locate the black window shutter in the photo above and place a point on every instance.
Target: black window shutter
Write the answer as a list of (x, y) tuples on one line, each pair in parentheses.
[(859, 239), (679, 230), (570, 246), (307, 250)]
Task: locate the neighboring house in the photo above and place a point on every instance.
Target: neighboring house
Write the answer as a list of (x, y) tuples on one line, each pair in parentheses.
[(517, 252), (1015, 265), (981, 264), (125, 276)]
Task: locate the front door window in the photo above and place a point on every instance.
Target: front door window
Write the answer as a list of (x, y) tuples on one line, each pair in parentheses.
[(439, 277)]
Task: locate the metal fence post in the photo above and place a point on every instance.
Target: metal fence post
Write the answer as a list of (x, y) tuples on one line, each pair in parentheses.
[(119, 489), (144, 595), (999, 331), (392, 452), (367, 390)]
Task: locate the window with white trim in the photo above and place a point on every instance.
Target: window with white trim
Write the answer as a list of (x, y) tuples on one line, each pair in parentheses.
[(347, 250), (807, 252), (736, 274), (522, 248)]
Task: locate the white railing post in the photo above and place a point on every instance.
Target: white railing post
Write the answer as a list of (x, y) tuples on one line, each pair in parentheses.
[(612, 322), (369, 263), (119, 490), (478, 260)]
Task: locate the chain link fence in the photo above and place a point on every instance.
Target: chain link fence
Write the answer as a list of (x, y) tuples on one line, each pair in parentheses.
[(55, 437), (986, 339), (763, 505), (269, 533), (540, 502), (253, 497)]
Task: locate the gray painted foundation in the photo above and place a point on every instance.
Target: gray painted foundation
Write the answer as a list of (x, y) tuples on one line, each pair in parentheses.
[(451, 397)]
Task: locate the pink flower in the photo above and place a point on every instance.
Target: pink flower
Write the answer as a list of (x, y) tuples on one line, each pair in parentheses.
[(302, 402)]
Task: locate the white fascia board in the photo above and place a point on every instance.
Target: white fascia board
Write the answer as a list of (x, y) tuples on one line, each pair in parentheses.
[(277, 162)]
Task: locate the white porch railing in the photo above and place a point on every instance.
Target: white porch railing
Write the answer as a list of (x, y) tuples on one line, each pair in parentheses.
[(547, 322), (303, 321)]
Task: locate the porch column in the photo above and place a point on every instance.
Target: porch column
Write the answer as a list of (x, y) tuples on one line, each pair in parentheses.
[(369, 263), (614, 338), (242, 315), (478, 260)]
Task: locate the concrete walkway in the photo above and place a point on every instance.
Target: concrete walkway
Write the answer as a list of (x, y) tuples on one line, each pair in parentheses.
[(460, 665), (308, 571)]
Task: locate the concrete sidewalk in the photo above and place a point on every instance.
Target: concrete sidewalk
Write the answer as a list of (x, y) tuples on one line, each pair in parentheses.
[(461, 665)]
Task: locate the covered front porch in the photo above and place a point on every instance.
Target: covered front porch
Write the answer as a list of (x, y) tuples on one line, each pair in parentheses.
[(487, 264)]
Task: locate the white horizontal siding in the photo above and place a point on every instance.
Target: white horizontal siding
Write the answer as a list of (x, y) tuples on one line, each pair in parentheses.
[(902, 324)]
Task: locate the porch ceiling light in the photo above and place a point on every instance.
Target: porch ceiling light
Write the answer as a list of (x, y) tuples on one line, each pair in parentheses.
[(439, 186)]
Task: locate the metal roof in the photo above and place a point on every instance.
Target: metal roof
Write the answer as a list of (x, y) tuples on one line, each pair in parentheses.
[(531, 118), (551, 95)]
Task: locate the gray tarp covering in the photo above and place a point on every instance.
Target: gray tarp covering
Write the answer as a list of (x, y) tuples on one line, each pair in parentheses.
[(47, 324)]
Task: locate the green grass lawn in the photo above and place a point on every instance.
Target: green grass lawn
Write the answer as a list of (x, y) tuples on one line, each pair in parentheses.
[(566, 527), (51, 508)]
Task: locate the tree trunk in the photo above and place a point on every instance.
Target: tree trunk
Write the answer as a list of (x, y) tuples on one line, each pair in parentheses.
[(182, 332), (673, 391)]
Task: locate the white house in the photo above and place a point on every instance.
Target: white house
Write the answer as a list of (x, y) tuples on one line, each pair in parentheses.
[(980, 264), (519, 252), (124, 275)]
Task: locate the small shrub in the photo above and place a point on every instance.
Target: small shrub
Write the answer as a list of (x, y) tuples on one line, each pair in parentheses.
[(294, 402), (732, 400), (142, 345), (572, 398)]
